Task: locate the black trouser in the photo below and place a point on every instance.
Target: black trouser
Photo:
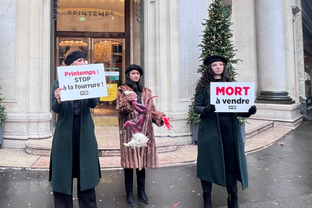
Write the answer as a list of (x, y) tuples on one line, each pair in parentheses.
[(231, 185), (76, 145), (207, 186), (229, 151), (86, 199), (129, 179)]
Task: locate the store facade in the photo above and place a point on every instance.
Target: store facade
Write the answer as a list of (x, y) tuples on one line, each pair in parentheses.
[(101, 29), (39, 36), (160, 35)]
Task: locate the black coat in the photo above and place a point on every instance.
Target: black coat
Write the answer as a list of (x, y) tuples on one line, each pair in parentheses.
[(210, 160), (61, 153)]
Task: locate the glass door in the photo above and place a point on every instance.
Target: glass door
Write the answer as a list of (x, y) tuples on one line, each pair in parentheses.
[(110, 52), (65, 45), (99, 28)]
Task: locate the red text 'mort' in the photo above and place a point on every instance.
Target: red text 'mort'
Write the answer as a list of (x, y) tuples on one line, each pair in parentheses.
[(232, 90)]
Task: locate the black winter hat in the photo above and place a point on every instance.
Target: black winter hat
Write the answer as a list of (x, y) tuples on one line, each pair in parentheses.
[(209, 60), (132, 67), (73, 56)]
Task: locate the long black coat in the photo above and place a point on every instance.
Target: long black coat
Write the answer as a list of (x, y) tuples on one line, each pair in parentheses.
[(61, 153), (210, 160)]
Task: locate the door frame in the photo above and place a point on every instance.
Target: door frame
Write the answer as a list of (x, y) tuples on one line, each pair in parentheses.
[(126, 35)]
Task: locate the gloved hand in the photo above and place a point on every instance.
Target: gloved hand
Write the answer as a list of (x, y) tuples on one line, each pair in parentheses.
[(166, 122), (252, 110), (209, 109)]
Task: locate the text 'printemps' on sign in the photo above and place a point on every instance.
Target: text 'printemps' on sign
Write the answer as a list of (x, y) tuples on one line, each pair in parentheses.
[(232, 96)]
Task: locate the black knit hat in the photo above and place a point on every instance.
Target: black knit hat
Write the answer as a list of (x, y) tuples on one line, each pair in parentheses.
[(214, 58), (73, 56), (132, 67)]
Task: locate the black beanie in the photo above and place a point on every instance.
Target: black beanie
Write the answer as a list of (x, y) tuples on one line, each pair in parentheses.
[(132, 67), (214, 58), (73, 56)]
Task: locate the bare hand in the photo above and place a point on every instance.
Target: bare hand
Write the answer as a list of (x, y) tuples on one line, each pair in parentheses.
[(57, 94)]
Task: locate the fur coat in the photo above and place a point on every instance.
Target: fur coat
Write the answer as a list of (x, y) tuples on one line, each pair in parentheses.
[(144, 157)]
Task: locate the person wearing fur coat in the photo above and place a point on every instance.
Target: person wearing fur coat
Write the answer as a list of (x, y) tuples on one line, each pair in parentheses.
[(142, 157)]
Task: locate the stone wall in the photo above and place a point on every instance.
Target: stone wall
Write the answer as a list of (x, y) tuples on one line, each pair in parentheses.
[(26, 44)]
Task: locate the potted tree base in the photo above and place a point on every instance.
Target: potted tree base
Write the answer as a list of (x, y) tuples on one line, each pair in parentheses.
[(1, 136), (242, 123), (243, 131), (195, 127), (194, 120), (3, 119)]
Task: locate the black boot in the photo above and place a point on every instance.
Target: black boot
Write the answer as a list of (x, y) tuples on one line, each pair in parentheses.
[(129, 186), (231, 186), (207, 186), (130, 199), (232, 201), (141, 185), (207, 200)]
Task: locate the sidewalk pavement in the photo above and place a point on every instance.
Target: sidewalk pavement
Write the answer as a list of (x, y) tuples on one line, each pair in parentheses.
[(260, 134), (278, 176)]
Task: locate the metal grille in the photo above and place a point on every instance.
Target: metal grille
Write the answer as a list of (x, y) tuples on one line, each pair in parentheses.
[(55, 9), (138, 10)]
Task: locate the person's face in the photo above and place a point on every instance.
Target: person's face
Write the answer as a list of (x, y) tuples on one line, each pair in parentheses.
[(79, 61), (217, 68), (135, 75)]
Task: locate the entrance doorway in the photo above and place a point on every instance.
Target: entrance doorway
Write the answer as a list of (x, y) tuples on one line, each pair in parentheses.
[(101, 30), (110, 52)]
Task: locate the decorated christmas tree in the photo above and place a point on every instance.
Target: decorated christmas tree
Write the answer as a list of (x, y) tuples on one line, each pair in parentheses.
[(216, 40), (217, 37)]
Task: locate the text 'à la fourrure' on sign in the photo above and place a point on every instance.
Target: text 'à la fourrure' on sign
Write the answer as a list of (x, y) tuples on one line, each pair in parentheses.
[(82, 86)]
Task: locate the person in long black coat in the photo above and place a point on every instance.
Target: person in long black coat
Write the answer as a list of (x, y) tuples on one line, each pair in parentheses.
[(221, 155), (74, 151)]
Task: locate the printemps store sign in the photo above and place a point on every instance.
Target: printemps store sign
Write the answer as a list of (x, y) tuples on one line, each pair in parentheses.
[(91, 13)]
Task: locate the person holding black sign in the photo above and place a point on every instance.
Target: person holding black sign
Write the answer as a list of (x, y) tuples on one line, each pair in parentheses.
[(221, 155), (74, 151), (136, 110)]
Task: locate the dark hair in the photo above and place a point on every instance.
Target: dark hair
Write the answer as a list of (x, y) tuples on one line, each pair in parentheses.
[(208, 76), (136, 87)]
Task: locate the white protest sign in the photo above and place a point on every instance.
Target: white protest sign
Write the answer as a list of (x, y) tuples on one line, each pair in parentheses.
[(82, 81), (232, 96)]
